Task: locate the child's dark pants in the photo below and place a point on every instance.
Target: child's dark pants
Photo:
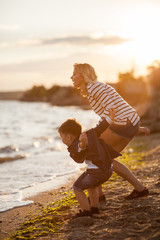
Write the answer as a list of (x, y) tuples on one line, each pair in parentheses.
[(91, 178)]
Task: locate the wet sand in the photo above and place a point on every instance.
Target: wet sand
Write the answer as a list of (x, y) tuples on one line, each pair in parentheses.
[(118, 219)]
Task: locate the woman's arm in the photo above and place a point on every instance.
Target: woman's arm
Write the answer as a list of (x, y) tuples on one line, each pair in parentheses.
[(100, 128)]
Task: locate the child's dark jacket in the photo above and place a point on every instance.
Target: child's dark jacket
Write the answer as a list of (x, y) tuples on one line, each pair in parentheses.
[(97, 151)]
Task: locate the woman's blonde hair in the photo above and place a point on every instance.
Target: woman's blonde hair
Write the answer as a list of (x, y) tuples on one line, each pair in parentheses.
[(87, 72)]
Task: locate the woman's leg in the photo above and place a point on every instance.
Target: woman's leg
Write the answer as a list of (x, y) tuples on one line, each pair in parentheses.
[(119, 143), (124, 172)]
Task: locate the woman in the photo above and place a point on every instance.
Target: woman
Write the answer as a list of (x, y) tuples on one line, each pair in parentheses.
[(102, 97)]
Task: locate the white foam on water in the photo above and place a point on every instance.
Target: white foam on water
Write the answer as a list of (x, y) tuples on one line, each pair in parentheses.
[(10, 201)]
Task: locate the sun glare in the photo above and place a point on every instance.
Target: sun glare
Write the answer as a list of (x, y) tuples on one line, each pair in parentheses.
[(144, 46), (144, 39)]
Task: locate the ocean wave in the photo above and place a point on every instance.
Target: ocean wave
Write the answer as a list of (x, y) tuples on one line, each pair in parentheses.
[(10, 201), (44, 139), (65, 174), (9, 149), (9, 159)]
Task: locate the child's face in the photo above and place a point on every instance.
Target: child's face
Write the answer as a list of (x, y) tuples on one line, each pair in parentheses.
[(67, 139)]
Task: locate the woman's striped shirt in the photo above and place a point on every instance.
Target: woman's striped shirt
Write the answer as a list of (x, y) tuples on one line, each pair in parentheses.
[(102, 97)]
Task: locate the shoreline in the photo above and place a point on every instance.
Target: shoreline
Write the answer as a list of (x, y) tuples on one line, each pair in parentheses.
[(136, 219), (30, 193), (11, 219)]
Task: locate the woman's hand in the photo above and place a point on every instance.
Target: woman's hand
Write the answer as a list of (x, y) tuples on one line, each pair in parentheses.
[(112, 113), (144, 130), (83, 140)]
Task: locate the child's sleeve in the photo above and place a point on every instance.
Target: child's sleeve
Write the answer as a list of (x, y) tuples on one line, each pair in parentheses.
[(76, 153)]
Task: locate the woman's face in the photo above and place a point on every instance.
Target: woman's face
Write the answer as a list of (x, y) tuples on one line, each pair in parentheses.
[(77, 79)]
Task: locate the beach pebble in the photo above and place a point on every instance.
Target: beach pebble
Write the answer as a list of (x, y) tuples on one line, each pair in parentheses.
[(157, 184), (156, 236), (78, 235), (158, 219)]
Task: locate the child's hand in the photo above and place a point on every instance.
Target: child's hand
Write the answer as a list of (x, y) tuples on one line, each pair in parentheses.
[(83, 140), (112, 113)]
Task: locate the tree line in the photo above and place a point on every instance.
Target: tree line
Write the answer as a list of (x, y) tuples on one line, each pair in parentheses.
[(128, 86)]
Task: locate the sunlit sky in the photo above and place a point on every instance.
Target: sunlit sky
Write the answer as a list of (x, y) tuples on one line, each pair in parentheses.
[(40, 40)]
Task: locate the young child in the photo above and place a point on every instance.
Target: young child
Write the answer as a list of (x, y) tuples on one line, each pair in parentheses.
[(96, 154)]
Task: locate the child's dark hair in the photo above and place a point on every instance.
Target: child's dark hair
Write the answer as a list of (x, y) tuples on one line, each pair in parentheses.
[(71, 126)]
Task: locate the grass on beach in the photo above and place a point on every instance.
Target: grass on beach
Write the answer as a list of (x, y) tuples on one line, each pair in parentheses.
[(49, 220)]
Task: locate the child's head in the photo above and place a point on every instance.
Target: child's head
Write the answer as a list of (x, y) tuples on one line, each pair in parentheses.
[(69, 130)]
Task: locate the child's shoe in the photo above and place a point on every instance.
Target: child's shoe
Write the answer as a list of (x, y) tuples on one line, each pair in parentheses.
[(95, 210)]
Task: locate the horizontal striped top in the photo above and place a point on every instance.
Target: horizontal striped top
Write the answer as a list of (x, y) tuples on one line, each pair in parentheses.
[(102, 97)]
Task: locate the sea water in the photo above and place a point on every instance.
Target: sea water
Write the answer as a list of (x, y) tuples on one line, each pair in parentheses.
[(40, 161)]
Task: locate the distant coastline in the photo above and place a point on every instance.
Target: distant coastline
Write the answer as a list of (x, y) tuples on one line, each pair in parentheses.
[(56, 96), (11, 95)]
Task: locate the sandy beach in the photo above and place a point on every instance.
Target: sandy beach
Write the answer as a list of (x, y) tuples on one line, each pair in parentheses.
[(50, 216)]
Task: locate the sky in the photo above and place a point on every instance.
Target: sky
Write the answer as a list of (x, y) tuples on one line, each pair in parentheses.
[(40, 40)]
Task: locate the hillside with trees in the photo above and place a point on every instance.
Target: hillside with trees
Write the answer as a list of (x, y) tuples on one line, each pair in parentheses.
[(151, 117), (56, 95), (132, 89)]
